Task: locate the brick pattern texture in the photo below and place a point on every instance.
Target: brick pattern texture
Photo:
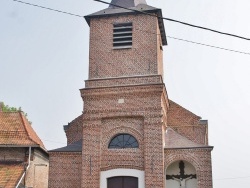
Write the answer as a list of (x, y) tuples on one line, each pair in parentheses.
[(74, 130), (140, 115), (141, 59), (65, 169), (187, 124)]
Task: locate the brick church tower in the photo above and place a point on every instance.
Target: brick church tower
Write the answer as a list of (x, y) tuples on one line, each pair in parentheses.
[(130, 134)]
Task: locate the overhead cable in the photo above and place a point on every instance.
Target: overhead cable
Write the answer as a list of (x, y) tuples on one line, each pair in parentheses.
[(49, 8), (175, 38), (177, 21), (211, 46)]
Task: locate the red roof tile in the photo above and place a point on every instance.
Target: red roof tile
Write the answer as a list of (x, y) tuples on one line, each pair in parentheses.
[(16, 130), (10, 175)]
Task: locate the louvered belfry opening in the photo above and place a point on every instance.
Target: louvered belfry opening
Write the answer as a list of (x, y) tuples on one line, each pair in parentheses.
[(122, 35)]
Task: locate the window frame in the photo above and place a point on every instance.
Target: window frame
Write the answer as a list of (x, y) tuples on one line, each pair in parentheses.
[(128, 141)]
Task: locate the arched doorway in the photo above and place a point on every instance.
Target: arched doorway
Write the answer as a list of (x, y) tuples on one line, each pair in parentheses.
[(181, 174), (122, 172), (122, 182)]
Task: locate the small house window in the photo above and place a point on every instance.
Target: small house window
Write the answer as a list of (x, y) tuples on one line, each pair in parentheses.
[(123, 141), (122, 35)]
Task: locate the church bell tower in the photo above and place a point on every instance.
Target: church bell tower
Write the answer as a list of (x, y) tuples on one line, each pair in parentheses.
[(125, 100)]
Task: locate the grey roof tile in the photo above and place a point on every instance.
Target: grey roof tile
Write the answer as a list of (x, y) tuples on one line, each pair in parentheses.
[(74, 147)]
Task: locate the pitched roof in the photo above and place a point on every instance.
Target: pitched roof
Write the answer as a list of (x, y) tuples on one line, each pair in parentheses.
[(179, 116), (15, 130), (74, 147), (10, 174), (137, 9), (174, 140)]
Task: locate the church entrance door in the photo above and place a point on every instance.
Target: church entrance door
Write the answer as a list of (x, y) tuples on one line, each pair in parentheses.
[(123, 182)]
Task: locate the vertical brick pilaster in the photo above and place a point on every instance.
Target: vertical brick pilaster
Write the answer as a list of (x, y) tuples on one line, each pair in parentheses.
[(154, 152), (91, 156)]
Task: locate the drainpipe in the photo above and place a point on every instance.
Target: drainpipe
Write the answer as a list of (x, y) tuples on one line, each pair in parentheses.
[(25, 170)]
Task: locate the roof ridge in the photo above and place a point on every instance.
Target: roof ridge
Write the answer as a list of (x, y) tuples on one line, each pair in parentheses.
[(24, 120), (25, 127)]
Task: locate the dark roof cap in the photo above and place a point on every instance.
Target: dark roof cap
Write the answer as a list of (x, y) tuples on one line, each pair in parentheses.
[(74, 147), (126, 3)]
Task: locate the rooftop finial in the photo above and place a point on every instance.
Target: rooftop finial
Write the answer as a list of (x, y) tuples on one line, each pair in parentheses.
[(126, 3)]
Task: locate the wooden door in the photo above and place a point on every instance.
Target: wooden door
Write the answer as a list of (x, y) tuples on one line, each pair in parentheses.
[(123, 182)]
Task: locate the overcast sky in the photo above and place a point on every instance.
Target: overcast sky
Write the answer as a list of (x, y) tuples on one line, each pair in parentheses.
[(44, 62)]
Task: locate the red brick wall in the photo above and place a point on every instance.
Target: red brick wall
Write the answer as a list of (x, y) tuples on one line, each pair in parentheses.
[(74, 130), (135, 98), (141, 59), (139, 115), (179, 116), (187, 124), (65, 169)]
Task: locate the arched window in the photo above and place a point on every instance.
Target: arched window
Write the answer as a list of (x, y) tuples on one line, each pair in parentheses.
[(123, 141)]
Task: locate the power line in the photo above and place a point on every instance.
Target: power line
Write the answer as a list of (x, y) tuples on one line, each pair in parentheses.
[(175, 38), (177, 21), (49, 8), (207, 45)]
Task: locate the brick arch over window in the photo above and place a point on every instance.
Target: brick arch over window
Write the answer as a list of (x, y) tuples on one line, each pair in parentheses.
[(171, 158), (122, 130), (197, 157)]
